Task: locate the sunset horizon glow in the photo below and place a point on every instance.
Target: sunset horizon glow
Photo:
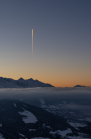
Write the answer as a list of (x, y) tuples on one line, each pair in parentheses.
[(46, 40)]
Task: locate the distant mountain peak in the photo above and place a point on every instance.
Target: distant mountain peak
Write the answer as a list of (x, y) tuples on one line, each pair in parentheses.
[(79, 86), (31, 79), (21, 78)]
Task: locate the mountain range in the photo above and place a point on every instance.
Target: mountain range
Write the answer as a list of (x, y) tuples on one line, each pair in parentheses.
[(21, 83), (79, 86)]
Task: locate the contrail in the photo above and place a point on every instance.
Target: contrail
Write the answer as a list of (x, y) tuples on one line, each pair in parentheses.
[(32, 41)]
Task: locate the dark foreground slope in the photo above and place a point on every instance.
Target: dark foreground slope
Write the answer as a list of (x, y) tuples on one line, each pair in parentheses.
[(20, 120)]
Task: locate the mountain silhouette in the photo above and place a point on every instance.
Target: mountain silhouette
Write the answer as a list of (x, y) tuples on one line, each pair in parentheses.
[(79, 86), (21, 83)]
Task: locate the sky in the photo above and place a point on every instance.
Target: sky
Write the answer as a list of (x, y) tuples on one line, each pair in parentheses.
[(61, 41)]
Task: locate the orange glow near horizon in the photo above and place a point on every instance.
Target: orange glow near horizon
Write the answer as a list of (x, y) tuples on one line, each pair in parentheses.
[(57, 83), (58, 76)]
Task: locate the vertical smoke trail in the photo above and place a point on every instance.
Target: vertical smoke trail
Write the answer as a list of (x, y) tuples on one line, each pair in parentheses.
[(32, 41)]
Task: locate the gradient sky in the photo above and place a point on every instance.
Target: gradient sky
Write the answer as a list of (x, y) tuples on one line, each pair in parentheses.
[(61, 46)]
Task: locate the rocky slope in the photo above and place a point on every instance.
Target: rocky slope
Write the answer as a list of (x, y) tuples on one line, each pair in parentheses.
[(19, 120)]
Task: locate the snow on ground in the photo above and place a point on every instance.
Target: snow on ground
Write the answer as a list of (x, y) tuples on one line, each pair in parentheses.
[(21, 135), (78, 137), (1, 137), (53, 107), (24, 105), (42, 103), (46, 126), (30, 118), (62, 133), (77, 124), (32, 129), (88, 119), (39, 138), (82, 135), (0, 125), (15, 105)]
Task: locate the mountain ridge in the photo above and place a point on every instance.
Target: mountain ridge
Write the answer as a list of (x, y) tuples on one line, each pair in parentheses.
[(80, 86), (21, 83)]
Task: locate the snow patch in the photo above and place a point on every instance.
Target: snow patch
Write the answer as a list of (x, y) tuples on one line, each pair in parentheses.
[(46, 126), (15, 105), (78, 137), (42, 103), (77, 124), (0, 125), (53, 107), (21, 135), (1, 137), (32, 129), (62, 133), (88, 119), (30, 118), (39, 138), (24, 105)]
